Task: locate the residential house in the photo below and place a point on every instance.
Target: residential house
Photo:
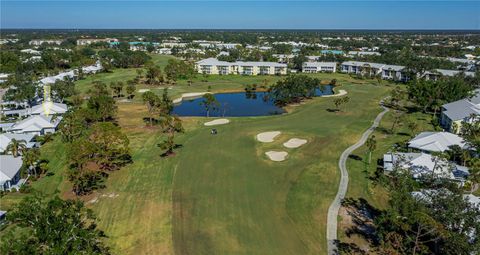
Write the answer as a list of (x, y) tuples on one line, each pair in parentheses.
[(48, 108), (31, 51), (36, 125), (93, 68), (10, 172), (364, 68), (6, 138), (463, 110), (59, 77), (423, 164), (436, 141), (318, 67)]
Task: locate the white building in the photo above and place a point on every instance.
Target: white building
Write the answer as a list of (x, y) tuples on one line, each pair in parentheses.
[(10, 172), (422, 164), (436, 141), (6, 138), (318, 67), (283, 58), (173, 45), (38, 42), (36, 125), (164, 51), (363, 53), (31, 51), (437, 73), (214, 66), (387, 72), (463, 110), (88, 41)]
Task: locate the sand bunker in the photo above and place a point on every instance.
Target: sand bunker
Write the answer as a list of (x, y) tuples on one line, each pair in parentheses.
[(189, 95), (217, 122), (267, 137), (295, 143), (340, 93), (143, 90), (276, 155)]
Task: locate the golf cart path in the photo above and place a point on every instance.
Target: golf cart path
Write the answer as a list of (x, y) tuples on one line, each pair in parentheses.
[(342, 188)]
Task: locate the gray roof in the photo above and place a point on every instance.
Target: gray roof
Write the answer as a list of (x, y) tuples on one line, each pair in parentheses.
[(359, 63), (6, 138), (9, 167), (446, 72), (436, 141), (216, 62), (36, 123), (463, 108), (393, 67), (319, 64)]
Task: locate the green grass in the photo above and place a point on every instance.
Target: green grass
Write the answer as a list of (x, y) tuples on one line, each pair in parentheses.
[(219, 194), (360, 173), (229, 199)]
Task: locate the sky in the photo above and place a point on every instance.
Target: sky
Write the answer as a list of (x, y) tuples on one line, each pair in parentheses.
[(228, 14)]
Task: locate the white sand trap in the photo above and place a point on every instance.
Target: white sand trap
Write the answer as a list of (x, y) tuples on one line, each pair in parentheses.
[(267, 137), (295, 143), (189, 95), (217, 122), (340, 93), (143, 90), (276, 155)]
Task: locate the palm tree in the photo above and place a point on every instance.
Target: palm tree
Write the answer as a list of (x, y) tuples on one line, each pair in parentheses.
[(371, 145), (30, 160), (16, 147), (48, 137)]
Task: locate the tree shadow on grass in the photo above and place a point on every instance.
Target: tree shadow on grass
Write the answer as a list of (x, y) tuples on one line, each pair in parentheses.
[(355, 157), (349, 248), (149, 121), (362, 215), (171, 154)]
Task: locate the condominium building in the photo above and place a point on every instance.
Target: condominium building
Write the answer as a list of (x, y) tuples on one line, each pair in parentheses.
[(437, 73), (38, 42), (214, 66), (363, 53), (357, 67), (317, 67), (88, 41), (386, 72)]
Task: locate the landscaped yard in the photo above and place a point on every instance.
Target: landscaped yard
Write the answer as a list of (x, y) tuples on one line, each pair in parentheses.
[(220, 194), (362, 176)]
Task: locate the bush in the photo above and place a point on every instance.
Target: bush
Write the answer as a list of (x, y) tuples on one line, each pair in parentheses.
[(13, 190), (25, 189)]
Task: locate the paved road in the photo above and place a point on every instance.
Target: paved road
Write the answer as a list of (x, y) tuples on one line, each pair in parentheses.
[(342, 188)]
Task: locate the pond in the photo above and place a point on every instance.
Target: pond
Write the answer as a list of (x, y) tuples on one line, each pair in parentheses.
[(240, 104)]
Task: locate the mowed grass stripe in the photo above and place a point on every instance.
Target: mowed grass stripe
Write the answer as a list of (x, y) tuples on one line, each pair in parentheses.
[(228, 199)]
